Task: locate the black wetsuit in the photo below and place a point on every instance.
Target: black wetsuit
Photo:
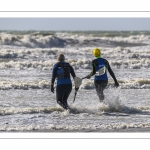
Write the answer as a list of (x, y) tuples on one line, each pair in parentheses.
[(101, 78), (62, 71)]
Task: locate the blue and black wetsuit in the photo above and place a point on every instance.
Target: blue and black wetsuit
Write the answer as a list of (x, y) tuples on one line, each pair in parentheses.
[(99, 69), (61, 72)]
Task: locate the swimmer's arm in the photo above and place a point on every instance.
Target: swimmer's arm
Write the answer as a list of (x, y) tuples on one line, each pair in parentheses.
[(72, 72), (54, 74), (93, 72), (111, 72)]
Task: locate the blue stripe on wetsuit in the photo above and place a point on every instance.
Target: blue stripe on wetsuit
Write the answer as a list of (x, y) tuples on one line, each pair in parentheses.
[(99, 66), (64, 81)]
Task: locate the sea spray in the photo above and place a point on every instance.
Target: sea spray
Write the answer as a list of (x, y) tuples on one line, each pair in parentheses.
[(114, 103)]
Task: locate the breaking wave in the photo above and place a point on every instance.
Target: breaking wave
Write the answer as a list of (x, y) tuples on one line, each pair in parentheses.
[(76, 63), (10, 111), (33, 41), (138, 83), (44, 59), (100, 109), (48, 40)]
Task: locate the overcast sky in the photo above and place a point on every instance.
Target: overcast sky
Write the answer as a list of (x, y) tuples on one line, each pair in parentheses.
[(130, 24)]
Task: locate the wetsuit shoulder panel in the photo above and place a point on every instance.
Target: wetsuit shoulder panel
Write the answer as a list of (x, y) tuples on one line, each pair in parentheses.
[(95, 62), (106, 62)]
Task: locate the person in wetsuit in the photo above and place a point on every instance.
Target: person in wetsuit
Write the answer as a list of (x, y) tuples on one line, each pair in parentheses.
[(99, 69), (61, 72)]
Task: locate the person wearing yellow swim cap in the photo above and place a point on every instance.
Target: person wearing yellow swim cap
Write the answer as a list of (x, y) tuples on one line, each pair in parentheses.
[(96, 52), (99, 69)]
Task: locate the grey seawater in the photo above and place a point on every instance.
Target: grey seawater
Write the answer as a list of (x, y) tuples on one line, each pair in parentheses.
[(27, 105), (36, 110)]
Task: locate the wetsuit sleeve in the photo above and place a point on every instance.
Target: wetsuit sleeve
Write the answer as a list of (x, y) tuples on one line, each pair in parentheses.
[(110, 70), (93, 69), (72, 72), (54, 74)]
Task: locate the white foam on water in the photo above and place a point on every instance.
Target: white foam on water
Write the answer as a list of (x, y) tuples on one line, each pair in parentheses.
[(26, 61), (134, 83), (83, 127), (134, 58), (10, 111)]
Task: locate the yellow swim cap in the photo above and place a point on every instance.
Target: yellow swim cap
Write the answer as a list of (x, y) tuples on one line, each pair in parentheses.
[(96, 52)]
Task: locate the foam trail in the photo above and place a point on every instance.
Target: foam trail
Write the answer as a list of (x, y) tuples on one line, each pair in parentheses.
[(10, 111), (138, 83)]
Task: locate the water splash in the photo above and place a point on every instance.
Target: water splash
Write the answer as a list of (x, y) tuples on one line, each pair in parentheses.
[(114, 103)]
